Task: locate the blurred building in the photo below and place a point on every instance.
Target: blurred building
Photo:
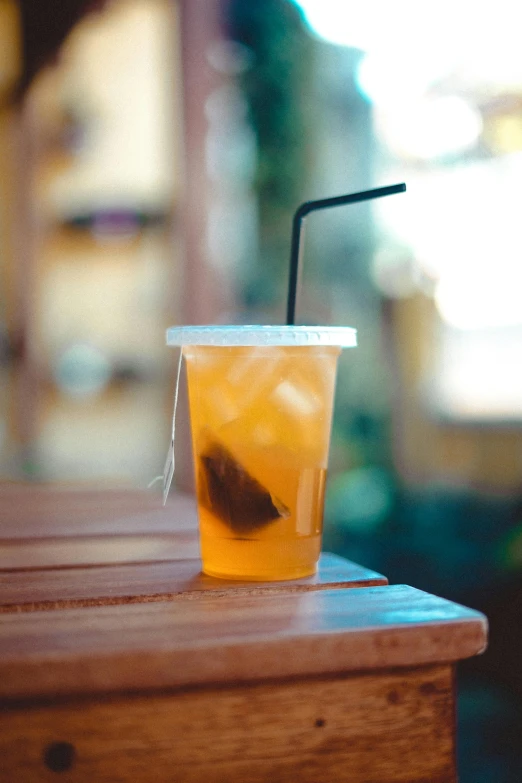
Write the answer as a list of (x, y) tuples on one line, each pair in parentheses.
[(105, 229)]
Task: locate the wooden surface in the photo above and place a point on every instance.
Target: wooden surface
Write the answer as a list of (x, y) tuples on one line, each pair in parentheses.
[(81, 547), (233, 638), (60, 527), (53, 588), (120, 661), (42, 553), (30, 511), (388, 727)]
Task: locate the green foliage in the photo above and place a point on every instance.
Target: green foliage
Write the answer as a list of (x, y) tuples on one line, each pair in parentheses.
[(275, 89)]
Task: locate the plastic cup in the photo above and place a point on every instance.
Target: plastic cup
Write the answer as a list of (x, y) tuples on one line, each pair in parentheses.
[(261, 402)]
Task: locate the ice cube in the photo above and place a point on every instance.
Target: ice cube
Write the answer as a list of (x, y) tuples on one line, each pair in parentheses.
[(263, 434), (254, 361), (297, 400), (224, 405)]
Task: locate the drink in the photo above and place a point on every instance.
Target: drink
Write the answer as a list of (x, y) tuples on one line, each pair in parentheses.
[(261, 401)]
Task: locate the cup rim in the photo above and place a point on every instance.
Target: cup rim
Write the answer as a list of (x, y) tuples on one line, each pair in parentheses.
[(262, 335)]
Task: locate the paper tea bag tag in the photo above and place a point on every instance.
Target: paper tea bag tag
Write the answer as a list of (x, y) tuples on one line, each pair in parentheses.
[(168, 471)]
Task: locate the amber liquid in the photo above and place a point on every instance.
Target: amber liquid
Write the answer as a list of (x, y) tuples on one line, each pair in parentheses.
[(261, 421)]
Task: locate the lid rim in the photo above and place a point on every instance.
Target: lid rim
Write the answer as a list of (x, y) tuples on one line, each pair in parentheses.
[(261, 335)]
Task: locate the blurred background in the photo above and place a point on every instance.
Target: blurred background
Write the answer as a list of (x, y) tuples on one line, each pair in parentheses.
[(152, 153)]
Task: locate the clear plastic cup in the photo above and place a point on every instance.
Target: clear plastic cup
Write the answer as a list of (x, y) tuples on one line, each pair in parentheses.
[(261, 402)]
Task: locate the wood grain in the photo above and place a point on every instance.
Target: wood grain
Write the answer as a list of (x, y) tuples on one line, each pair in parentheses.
[(387, 727), (35, 510), (24, 591), (232, 638), (65, 552), (118, 652)]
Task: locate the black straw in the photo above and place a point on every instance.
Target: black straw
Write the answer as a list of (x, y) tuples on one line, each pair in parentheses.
[(311, 206)]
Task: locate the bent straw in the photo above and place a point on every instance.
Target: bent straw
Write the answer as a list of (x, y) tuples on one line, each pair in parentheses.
[(297, 225)]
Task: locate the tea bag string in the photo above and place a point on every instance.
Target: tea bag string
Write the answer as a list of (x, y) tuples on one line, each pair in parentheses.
[(176, 393), (168, 471)]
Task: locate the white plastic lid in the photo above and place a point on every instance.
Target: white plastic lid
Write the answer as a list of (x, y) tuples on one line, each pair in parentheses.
[(340, 336)]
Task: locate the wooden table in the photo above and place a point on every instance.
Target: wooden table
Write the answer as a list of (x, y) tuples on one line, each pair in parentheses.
[(119, 661)]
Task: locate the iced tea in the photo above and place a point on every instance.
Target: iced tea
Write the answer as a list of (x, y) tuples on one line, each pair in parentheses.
[(261, 420)]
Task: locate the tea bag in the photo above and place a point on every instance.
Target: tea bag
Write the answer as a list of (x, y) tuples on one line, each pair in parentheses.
[(233, 495)]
